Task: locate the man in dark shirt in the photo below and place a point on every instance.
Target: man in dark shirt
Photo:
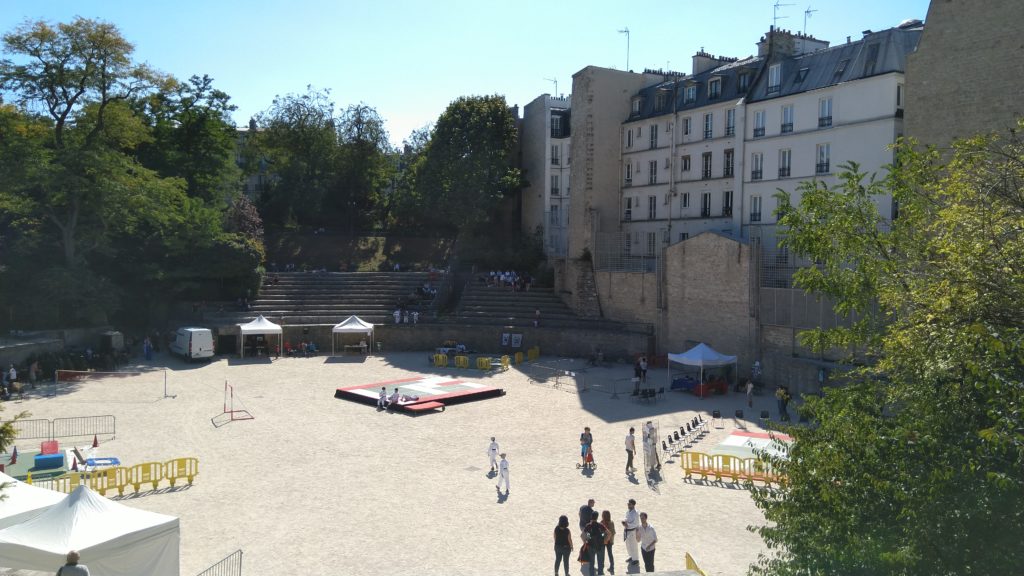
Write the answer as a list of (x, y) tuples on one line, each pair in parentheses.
[(586, 513), (594, 535)]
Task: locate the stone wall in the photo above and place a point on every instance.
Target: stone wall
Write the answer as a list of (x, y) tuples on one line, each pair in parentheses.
[(629, 296), (967, 75), (578, 342), (708, 279)]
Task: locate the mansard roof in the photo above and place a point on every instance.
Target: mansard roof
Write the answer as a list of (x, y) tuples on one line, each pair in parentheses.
[(875, 54), (677, 83)]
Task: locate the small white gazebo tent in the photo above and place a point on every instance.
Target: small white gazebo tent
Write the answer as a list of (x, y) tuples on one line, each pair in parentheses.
[(113, 539), (23, 502), (352, 325), (701, 355), (259, 326)]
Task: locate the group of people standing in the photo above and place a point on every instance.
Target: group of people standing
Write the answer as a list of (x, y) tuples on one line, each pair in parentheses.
[(598, 535)]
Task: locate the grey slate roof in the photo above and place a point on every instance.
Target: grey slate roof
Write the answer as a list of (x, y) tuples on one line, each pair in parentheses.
[(876, 53), (728, 73)]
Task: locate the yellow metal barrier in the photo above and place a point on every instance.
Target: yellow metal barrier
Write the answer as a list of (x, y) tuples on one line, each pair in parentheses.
[(108, 479), (179, 468), (505, 361), (519, 357), (440, 360), (533, 353), (152, 472), (67, 482), (483, 363), (462, 361), (724, 466), (121, 477)]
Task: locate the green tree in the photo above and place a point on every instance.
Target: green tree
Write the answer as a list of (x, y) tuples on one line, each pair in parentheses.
[(364, 166), (194, 138), (916, 464), (466, 169), (296, 138)]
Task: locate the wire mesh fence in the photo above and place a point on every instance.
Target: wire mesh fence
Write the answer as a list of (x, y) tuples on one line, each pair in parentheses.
[(229, 566), (566, 374)]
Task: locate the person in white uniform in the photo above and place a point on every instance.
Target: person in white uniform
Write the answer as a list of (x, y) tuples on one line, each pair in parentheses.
[(382, 398), (502, 473), (492, 452), (630, 533)]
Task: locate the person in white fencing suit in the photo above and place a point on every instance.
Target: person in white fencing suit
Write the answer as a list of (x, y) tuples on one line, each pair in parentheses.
[(492, 452), (630, 534), (502, 473)]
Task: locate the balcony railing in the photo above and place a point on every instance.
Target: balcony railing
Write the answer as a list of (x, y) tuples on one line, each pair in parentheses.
[(824, 121), (705, 174), (628, 215), (554, 161), (705, 212), (730, 130), (755, 174), (755, 216), (708, 132), (555, 191), (758, 132), (727, 172), (787, 127), (629, 182), (821, 168), (784, 172), (727, 211), (772, 89)]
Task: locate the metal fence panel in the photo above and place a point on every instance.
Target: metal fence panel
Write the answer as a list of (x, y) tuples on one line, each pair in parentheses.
[(229, 566), (29, 429), (83, 426)]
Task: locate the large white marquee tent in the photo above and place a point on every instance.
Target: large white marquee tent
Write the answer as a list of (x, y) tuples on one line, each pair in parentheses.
[(702, 356), (113, 539), (22, 501)]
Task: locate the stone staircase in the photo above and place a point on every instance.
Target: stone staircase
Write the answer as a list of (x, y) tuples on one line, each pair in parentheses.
[(330, 297), (501, 306)]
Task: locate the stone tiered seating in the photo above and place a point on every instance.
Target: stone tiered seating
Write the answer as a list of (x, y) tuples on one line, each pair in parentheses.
[(329, 298), (501, 306)]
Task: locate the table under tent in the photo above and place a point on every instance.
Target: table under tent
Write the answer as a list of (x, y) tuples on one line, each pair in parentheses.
[(701, 356), (352, 325), (257, 328)]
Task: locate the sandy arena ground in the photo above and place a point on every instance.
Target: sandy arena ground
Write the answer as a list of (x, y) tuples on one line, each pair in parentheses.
[(317, 485)]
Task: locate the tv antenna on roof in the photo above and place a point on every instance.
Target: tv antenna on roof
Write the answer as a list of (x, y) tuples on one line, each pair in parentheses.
[(555, 80), (775, 12), (626, 32), (807, 14)]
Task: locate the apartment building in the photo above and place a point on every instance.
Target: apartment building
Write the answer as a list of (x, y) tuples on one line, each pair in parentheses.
[(679, 154), (546, 159), (811, 112)]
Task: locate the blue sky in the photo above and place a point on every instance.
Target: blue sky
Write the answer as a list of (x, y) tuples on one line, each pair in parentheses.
[(410, 59)]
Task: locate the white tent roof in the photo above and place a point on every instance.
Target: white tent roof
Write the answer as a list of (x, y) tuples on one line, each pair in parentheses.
[(113, 539), (24, 501), (260, 326), (353, 324), (702, 355)]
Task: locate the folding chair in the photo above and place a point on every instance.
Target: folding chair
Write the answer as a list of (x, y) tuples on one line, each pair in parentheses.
[(740, 423), (765, 416), (661, 392), (717, 415)]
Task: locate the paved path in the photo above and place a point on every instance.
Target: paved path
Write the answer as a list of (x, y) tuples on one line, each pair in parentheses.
[(316, 485)]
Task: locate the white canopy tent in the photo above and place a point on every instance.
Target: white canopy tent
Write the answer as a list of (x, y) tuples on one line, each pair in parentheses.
[(23, 502), (352, 325), (113, 539), (702, 355), (259, 326)]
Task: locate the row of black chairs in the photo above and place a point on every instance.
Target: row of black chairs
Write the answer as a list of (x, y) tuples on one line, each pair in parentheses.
[(648, 394), (686, 436)]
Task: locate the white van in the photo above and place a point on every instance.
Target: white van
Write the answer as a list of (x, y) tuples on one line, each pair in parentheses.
[(192, 343)]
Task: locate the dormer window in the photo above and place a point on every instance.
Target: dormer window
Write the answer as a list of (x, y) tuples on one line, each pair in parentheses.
[(774, 78), (840, 69), (636, 105), (801, 75), (690, 94), (714, 88), (660, 101), (744, 82)]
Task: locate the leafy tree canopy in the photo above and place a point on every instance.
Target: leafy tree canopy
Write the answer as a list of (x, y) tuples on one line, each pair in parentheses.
[(915, 465)]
